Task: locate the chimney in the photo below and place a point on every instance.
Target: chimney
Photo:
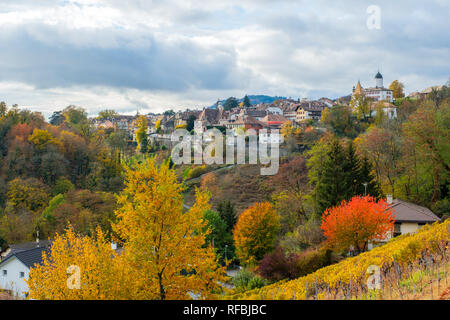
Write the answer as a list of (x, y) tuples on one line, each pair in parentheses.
[(113, 245), (389, 198)]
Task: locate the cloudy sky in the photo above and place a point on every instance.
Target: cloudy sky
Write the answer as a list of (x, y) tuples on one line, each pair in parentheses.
[(153, 55)]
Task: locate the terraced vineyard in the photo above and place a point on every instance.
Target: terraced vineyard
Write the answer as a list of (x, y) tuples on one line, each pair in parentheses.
[(409, 267)]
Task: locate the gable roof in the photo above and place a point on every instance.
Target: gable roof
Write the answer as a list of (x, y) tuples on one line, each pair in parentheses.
[(28, 257), (410, 212)]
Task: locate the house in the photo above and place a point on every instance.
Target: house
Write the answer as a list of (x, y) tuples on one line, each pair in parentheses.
[(15, 266), (245, 122), (273, 121), (409, 217), (388, 108), (274, 110), (328, 102), (309, 110), (290, 112), (258, 114)]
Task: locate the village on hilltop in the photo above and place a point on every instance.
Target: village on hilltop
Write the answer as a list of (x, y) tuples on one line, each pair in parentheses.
[(261, 115)]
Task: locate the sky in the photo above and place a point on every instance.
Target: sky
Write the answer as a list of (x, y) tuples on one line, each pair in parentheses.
[(150, 56)]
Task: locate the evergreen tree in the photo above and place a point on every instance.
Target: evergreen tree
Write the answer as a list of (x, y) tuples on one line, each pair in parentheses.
[(227, 212), (246, 101), (352, 166), (190, 123), (366, 176), (332, 186)]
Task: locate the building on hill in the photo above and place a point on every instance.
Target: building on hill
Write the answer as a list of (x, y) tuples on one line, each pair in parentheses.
[(309, 110), (273, 121), (15, 266), (290, 111), (245, 122), (377, 93), (409, 218), (388, 108)]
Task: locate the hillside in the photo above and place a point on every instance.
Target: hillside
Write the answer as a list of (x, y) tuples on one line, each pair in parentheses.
[(411, 267)]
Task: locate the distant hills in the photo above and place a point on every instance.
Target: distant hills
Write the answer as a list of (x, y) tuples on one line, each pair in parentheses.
[(254, 99)]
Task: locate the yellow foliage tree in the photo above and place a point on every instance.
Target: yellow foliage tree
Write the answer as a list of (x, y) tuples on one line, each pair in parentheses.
[(163, 245), (164, 252), (397, 89), (255, 232), (287, 129), (42, 138), (80, 268)]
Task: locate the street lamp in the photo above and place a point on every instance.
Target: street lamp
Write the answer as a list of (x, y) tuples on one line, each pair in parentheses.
[(365, 188)]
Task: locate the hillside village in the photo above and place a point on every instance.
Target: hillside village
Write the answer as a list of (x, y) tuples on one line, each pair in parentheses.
[(261, 115), (366, 146)]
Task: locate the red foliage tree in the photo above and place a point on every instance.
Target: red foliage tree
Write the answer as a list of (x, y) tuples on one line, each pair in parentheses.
[(356, 222)]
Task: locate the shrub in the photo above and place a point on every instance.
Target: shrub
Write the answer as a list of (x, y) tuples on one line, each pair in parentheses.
[(312, 260), (241, 280), (278, 265), (246, 280), (197, 172), (255, 283)]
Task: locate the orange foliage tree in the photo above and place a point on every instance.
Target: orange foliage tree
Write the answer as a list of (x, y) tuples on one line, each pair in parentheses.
[(255, 232), (356, 222)]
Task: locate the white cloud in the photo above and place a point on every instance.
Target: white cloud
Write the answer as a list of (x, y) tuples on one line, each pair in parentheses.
[(174, 53)]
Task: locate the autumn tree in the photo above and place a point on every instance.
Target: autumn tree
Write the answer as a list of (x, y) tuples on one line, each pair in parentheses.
[(30, 194), (141, 134), (163, 243), (382, 146), (356, 222), (107, 115), (209, 182), (397, 89), (427, 133), (102, 274), (255, 232)]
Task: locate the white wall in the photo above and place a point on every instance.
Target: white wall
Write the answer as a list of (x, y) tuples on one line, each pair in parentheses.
[(12, 280), (409, 227)]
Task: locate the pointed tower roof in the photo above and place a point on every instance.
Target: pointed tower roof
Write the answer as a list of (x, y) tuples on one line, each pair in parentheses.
[(378, 75), (359, 89)]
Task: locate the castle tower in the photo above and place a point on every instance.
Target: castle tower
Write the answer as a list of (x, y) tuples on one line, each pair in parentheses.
[(378, 80)]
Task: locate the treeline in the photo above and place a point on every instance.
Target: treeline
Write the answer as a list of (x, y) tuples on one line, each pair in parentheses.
[(66, 164)]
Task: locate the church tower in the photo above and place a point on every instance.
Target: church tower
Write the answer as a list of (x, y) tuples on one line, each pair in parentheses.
[(378, 80), (358, 90)]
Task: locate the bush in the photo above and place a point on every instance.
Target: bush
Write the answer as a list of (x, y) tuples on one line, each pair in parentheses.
[(276, 266), (312, 260), (197, 172), (255, 283), (246, 280), (241, 280)]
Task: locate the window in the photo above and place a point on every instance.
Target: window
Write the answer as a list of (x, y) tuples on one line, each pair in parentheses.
[(397, 229), (22, 274), (5, 272)]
